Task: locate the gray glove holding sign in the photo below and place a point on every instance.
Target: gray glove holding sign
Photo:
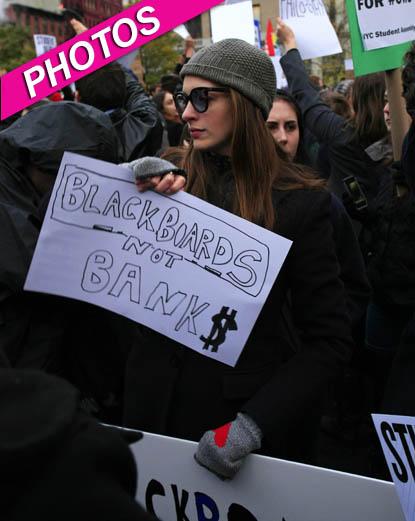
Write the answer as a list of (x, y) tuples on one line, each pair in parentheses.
[(153, 173)]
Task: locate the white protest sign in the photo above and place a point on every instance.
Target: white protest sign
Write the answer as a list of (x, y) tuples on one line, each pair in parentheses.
[(182, 31), (177, 264), (313, 30), (281, 79), (397, 436), (235, 20), (173, 486), (384, 23), (44, 43)]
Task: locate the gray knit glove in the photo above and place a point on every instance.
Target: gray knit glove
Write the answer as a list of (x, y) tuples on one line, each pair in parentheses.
[(147, 167), (222, 451)]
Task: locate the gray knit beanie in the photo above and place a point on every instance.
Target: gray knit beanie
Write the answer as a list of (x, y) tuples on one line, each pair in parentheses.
[(239, 65)]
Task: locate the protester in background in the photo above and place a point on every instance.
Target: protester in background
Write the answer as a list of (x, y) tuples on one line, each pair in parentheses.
[(286, 125), (285, 122), (392, 262), (170, 83), (271, 399), (188, 52), (116, 91), (338, 104), (347, 141), (37, 331), (393, 271), (174, 126)]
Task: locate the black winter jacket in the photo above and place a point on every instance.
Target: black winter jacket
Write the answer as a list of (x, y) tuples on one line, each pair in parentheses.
[(392, 261), (175, 391), (138, 123)]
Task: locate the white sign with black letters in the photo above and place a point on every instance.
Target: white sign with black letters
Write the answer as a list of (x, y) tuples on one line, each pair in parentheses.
[(397, 437), (175, 488), (314, 33), (44, 43), (177, 264), (384, 23)]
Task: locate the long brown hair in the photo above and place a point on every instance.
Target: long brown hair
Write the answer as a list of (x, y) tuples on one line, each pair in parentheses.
[(257, 168), (368, 100)]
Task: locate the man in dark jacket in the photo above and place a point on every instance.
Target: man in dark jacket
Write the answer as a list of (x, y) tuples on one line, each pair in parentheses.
[(37, 331), (116, 91)]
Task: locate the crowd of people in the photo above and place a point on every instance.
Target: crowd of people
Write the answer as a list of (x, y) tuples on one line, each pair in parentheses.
[(334, 341)]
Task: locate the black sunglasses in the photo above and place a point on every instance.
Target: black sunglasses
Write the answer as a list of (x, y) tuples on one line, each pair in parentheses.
[(199, 98)]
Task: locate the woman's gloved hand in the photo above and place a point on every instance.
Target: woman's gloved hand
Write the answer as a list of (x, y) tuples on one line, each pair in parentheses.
[(153, 173), (223, 450)]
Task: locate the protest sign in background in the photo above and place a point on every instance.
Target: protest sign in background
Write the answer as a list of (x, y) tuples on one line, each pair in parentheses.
[(233, 20), (177, 264), (366, 62), (175, 487), (313, 30), (44, 43), (397, 437), (384, 23)]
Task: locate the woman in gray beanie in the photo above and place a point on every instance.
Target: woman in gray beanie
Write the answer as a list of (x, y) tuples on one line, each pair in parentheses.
[(271, 399)]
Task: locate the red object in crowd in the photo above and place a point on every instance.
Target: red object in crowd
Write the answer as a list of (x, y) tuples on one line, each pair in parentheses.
[(270, 39), (56, 96)]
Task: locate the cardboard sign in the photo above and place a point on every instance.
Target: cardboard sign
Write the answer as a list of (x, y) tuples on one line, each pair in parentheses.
[(177, 264), (366, 62), (313, 30), (175, 488), (384, 23), (44, 43), (397, 437), (233, 20)]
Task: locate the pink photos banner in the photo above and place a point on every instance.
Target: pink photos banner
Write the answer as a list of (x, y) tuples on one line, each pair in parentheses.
[(90, 51)]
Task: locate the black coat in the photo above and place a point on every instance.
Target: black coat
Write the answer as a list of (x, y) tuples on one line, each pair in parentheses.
[(175, 391), (138, 123), (60, 464), (36, 331)]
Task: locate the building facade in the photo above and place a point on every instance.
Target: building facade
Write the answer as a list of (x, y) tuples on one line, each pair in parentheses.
[(47, 16)]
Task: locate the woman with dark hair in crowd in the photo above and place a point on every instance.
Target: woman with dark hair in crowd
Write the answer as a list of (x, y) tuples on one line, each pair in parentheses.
[(285, 122), (165, 105), (271, 399)]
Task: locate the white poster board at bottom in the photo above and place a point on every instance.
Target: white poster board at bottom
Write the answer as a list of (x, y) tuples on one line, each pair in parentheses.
[(176, 488)]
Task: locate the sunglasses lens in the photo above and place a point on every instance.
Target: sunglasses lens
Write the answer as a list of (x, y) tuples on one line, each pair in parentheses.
[(200, 99), (180, 99)]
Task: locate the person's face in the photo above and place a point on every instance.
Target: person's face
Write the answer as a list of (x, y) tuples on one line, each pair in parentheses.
[(169, 108), (386, 114), (283, 124), (211, 130)]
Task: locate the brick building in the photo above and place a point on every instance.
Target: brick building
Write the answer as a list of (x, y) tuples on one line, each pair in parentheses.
[(46, 16)]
